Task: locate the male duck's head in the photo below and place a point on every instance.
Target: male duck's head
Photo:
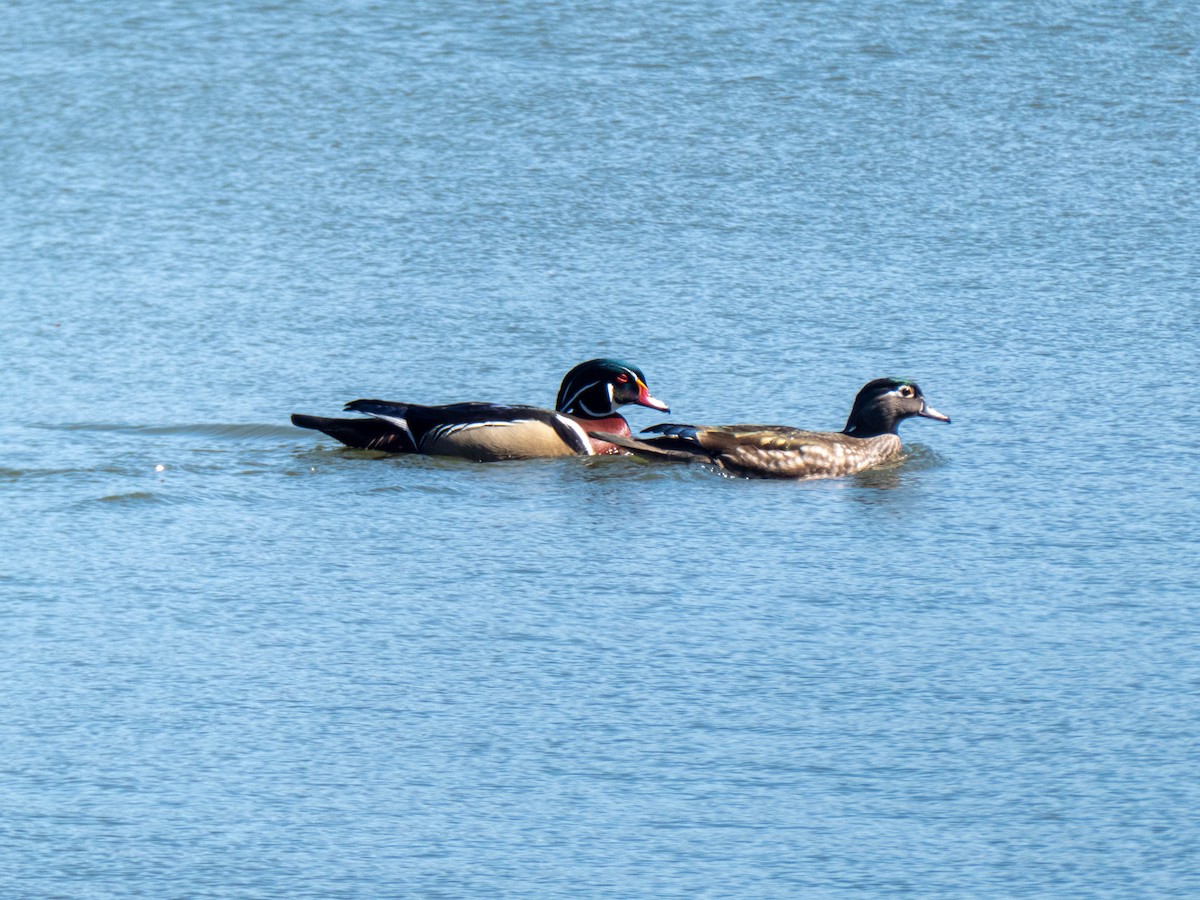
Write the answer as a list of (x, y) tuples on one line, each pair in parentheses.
[(596, 389), (884, 403)]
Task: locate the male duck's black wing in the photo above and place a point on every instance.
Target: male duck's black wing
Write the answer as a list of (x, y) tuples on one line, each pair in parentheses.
[(482, 431)]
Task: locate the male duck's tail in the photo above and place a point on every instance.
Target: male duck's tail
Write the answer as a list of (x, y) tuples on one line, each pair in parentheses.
[(364, 434)]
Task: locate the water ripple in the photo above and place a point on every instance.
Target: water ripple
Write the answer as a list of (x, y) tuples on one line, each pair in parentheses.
[(220, 430), (133, 497)]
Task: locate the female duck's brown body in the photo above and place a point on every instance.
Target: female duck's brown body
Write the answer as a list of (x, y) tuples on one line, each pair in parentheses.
[(588, 399), (791, 453), (778, 451)]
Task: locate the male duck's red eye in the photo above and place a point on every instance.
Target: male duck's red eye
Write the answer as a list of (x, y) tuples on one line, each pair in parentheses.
[(622, 378)]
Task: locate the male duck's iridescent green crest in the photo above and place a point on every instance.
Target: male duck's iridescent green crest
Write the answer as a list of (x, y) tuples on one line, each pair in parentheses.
[(596, 389), (591, 394), (883, 404)]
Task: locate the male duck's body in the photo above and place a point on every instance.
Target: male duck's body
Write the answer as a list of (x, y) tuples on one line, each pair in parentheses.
[(869, 439), (588, 400)]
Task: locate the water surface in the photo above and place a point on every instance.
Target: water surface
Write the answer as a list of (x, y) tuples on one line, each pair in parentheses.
[(240, 661)]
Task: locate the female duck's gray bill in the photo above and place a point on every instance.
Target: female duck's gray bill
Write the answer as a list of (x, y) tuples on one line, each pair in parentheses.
[(930, 413)]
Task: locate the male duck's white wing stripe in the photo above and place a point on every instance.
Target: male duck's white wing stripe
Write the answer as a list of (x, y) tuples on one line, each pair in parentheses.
[(585, 443), (440, 431), (400, 422)]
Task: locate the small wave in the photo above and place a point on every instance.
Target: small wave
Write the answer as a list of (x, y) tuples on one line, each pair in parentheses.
[(444, 490), (133, 497), (635, 468), (920, 456), (18, 474), (221, 430)]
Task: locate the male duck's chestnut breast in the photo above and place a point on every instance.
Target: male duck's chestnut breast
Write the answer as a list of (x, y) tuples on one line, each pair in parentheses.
[(612, 425)]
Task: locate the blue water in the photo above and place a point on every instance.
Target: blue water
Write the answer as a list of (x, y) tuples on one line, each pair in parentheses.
[(238, 661)]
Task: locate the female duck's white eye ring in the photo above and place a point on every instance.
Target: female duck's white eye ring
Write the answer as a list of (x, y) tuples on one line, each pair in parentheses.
[(906, 391)]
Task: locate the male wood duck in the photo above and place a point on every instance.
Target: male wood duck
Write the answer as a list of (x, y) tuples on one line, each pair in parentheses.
[(869, 438), (589, 398)]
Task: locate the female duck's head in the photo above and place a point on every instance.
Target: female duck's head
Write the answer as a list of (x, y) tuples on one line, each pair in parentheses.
[(884, 403)]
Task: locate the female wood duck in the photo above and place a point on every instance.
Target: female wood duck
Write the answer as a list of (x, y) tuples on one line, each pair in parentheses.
[(589, 398), (778, 451)]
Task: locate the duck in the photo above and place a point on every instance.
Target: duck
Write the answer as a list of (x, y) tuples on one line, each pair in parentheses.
[(779, 451), (589, 398)]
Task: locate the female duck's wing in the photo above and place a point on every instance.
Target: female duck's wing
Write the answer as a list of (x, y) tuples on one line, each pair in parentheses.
[(774, 451), (793, 453)]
